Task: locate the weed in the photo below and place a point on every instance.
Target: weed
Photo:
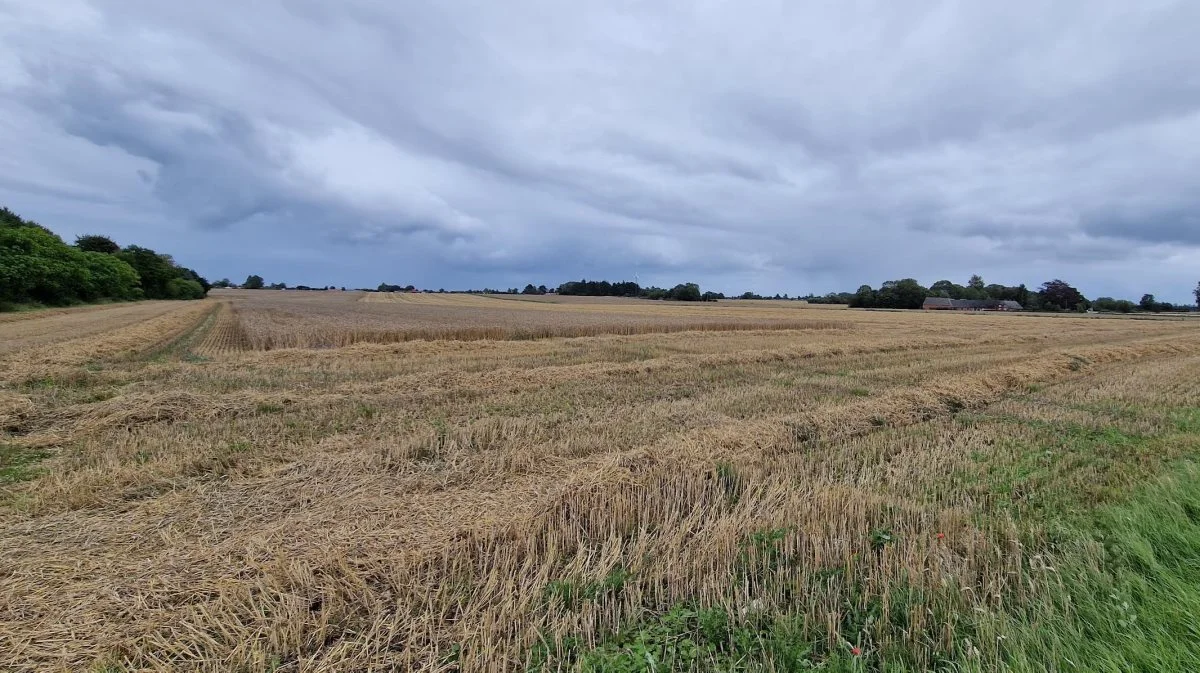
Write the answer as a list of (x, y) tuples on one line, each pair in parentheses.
[(18, 464), (881, 537), (687, 638), (731, 482), (571, 594)]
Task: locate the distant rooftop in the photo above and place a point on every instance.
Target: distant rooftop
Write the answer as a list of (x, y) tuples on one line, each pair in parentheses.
[(946, 303)]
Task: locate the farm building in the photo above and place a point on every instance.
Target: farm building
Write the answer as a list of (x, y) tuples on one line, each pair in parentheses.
[(944, 304)]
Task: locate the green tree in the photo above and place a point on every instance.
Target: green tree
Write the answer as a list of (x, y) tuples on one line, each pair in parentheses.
[(1113, 305), (36, 265), (530, 289), (189, 274), (253, 282), (1059, 295), (97, 243), (154, 269), (685, 292), (905, 293), (1148, 303), (10, 219), (224, 282), (863, 298), (947, 289), (1196, 293), (109, 278)]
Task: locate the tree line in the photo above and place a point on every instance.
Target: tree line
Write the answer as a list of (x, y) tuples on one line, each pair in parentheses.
[(907, 293), (625, 288), (1053, 295), (38, 267)]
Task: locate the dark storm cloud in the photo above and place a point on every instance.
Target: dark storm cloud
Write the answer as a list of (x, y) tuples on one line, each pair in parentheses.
[(1176, 226), (764, 145)]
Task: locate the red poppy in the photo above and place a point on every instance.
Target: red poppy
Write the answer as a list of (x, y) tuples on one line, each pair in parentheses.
[(856, 651), (941, 536)]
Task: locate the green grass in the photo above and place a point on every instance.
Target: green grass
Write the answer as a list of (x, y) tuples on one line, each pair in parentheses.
[(18, 464), (1127, 595), (571, 594), (1114, 518), (686, 638), (11, 307), (689, 637)]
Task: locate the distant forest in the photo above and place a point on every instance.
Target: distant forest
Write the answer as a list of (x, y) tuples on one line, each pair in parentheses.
[(1053, 295), (38, 268)]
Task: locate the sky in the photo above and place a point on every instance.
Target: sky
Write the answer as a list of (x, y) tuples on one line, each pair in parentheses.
[(768, 145)]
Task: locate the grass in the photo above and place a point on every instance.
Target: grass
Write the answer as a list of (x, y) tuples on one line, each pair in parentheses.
[(570, 594), (1126, 586), (11, 307), (687, 638), (19, 464), (901, 492)]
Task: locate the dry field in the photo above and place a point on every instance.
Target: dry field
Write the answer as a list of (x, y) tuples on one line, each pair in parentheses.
[(267, 320), (282, 481)]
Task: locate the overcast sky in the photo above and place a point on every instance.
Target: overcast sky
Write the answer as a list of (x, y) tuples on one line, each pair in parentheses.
[(774, 145)]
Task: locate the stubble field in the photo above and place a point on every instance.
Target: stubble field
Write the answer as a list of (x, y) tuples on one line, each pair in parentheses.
[(333, 481)]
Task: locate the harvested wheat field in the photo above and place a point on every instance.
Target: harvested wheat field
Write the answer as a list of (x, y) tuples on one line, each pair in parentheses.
[(280, 319), (285, 481)]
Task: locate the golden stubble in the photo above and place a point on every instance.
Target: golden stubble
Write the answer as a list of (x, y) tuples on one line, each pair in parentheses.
[(209, 505)]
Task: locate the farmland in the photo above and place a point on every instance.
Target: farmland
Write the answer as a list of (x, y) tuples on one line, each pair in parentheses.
[(336, 481), (327, 319)]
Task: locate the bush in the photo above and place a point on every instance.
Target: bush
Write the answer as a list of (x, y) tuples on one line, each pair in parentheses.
[(36, 266), (110, 278), (178, 288)]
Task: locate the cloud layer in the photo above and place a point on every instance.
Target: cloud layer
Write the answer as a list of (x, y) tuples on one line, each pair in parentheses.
[(760, 144)]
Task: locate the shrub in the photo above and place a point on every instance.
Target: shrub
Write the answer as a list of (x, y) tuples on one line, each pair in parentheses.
[(178, 288)]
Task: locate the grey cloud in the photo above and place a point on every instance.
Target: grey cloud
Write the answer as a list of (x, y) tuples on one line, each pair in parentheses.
[(1179, 226), (209, 164), (801, 148)]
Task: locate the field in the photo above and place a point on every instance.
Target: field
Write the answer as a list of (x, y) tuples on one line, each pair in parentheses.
[(331, 319), (286, 481)]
